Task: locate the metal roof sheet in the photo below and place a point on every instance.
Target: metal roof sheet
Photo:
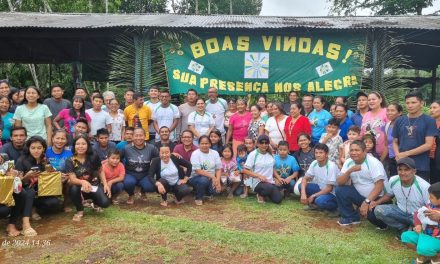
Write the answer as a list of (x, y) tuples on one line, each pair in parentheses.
[(92, 21)]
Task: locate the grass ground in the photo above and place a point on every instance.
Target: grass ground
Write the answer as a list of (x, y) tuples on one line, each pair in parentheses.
[(220, 231)]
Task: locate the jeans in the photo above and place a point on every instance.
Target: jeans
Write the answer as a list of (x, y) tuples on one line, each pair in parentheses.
[(47, 204), (99, 197), (179, 191), (289, 186), (427, 246), (325, 201), (117, 188), (391, 215), (202, 185), (130, 182), (269, 190), (346, 196), (23, 204)]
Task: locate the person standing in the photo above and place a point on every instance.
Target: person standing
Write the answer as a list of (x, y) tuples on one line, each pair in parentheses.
[(138, 114), (318, 118), (57, 103), (7, 119), (167, 115), (434, 154), (217, 107), (307, 103), (82, 92), (186, 109), (394, 111), (344, 122), (238, 126), (118, 121), (293, 97), (275, 125), (153, 103), (414, 134), (99, 118), (296, 124), (200, 122), (128, 99), (362, 108)]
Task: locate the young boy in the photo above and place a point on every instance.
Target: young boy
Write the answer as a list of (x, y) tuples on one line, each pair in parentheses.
[(286, 168), (332, 139), (241, 160), (114, 172), (426, 234), (250, 144), (100, 118), (353, 133), (103, 146)]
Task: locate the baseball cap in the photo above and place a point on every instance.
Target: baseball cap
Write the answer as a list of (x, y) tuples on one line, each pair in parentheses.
[(409, 162)]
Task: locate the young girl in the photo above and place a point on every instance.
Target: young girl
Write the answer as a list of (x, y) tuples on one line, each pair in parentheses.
[(114, 172), (216, 141), (344, 150), (71, 116), (118, 122), (229, 166), (241, 160), (370, 143)]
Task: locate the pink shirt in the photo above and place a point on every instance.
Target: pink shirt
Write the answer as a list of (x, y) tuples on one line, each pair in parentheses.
[(377, 125), (240, 125), (69, 121)]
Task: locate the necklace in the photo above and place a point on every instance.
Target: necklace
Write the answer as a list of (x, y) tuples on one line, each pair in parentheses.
[(406, 196), (292, 124), (412, 127)]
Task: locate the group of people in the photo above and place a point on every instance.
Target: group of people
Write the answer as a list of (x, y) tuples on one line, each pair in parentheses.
[(348, 164)]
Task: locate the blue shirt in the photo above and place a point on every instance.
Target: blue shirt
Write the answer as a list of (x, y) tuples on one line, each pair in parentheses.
[(240, 162), (318, 120), (285, 167), (411, 133), (356, 118), (58, 161), (121, 145), (343, 128), (8, 122)]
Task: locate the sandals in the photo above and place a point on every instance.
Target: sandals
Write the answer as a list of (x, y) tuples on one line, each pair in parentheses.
[(260, 199), (14, 233), (164, 203), (78, 217), (198, 202), (29, 232), (67, 209), (98, 209)]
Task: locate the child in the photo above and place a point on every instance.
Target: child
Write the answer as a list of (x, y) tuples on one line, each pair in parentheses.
[(114, 172), (241, 160), (332, 139), (370, 142), (229, 166), (286, 168), (250, 144), (103, 146), (353, 133), (216, 141), (426, 234)]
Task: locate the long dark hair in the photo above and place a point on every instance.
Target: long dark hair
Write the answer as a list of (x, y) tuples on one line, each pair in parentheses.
[(27, 159), (39, 100), (82, 110), (89, 152)]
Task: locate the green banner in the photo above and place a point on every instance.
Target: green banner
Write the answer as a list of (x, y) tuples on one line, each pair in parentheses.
[(261, 62)]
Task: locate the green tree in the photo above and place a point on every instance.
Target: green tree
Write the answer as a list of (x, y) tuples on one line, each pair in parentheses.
[(238, 7), (143, 6), (380, 7)]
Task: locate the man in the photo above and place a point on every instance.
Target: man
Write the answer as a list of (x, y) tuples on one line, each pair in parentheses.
[(103, 146), (413, 134), (344, 122), (100, 118), (187, 108), (137, 158), (164, 135), (217, 107), (82, 92), (343, 101), (56, 103), (128, 138), (293, 97), (318, 183), (167, 115), (128, 97), (153, 103), (307, 103), (14, 149), (81, 127), (362, 108), (138, 115), (411, 193), (361, 181)]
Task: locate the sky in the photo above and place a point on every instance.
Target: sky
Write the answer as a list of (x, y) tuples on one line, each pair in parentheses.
[(312, 8)]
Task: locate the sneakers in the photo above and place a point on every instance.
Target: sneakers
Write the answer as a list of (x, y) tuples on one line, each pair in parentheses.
[(382, 228), (348, 221), (333, 214)]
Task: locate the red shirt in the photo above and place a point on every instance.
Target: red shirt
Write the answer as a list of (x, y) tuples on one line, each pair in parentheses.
[(302, 125), (112, 173), (186, 155)]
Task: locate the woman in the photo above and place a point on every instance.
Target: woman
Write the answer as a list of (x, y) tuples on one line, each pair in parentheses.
[(4, 88), (232, 109), (256, 125), (34, 115), (259, 165), (7, 119), (374, 122), (393, 112), (200, 122), (295, 125), (57, 156), (261, 102), (238, 125), (207, 169), (31, 163), (434, 154), (186, 148), (275, 125), (86, 179), (71, 116), (318, 118), (305, 155), (168, 173), (118, 121), (14, 98), (269, 110)]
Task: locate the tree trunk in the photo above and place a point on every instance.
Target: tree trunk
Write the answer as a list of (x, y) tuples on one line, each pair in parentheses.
[(106, 6), (34, 74), (230, 7), (209, 7), (197, 7), (47, 6), (11, 6)]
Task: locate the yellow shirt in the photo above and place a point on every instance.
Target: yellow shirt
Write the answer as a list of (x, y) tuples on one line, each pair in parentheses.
[(144, 114)]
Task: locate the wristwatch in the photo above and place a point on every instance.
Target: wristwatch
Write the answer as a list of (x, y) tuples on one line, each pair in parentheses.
[(367, 201)]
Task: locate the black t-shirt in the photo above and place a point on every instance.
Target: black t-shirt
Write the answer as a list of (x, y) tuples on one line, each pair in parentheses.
[(12, 152), (24, 164), (89, 170)]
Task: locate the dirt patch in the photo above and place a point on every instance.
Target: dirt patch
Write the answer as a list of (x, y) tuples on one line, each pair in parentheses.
[(326, 224)]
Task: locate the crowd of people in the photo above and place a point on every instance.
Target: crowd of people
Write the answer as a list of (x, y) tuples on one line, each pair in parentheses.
[(375, 162)]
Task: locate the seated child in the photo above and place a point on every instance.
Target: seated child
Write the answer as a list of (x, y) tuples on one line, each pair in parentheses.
[(370, 142), (286, 168), (229, 167), (353, 133), (114, 172), (241, 160), (332, 139), (426, 234)]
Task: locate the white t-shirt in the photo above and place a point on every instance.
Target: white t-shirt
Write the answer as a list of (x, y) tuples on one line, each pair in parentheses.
[(371, 172), (261, 164), (209, 162), (165, 117), (274, 132), (201, 123), (169, 172), (217, 110), (153, 107), (99, 120), (409, 198), (323, 176)]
